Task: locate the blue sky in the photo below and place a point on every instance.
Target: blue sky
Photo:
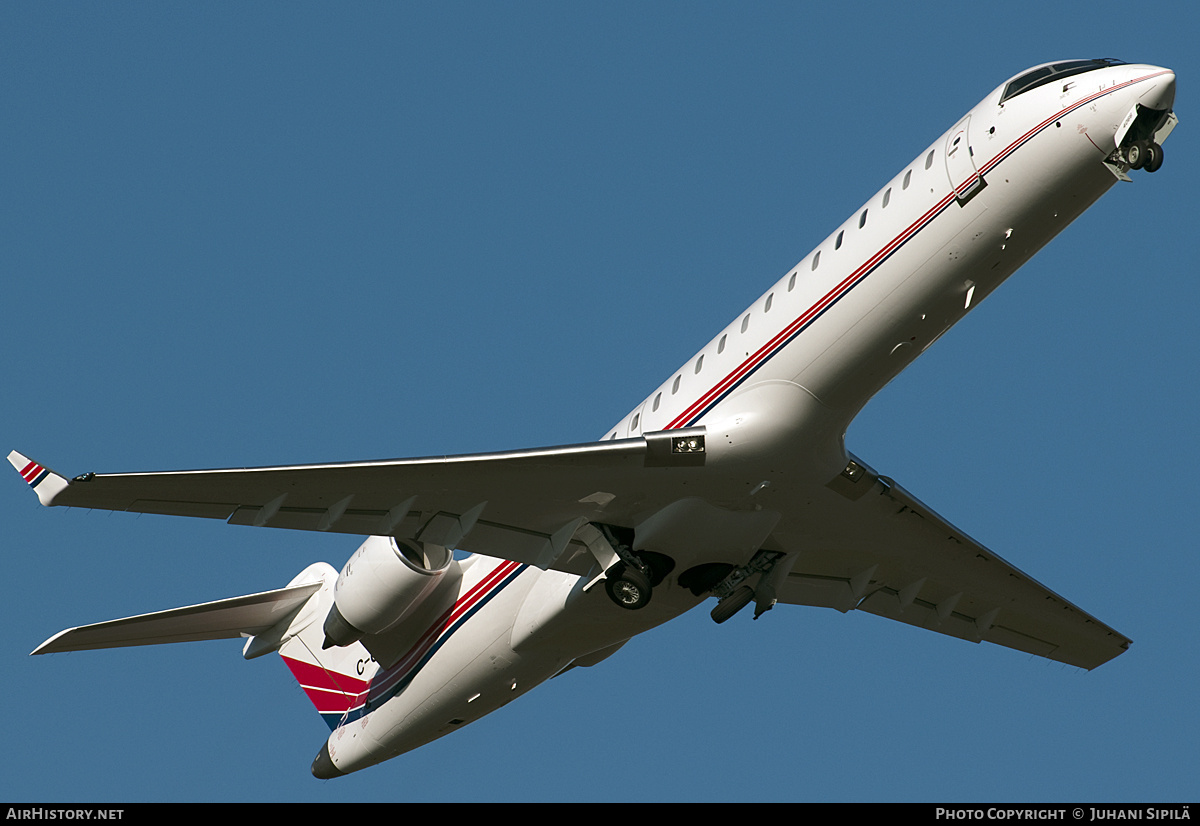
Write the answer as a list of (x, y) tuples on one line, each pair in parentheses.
[(276, 233)]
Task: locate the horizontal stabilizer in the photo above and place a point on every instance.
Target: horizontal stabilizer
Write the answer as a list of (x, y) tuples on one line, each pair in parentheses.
[(224, 619)]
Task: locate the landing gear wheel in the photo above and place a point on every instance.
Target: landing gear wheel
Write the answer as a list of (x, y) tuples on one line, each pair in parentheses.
[(1154, 157), (733, 603), (1136, 155), (628, 588)]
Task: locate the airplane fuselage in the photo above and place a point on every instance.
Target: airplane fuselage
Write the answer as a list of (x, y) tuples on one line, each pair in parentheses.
[(778, 386)]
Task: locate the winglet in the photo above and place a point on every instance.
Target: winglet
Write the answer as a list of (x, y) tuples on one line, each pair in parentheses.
[(45, 483)]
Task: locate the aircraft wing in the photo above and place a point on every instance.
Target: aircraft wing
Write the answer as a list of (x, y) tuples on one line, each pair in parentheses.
[(864, 543), (877, 548), (520, 505)]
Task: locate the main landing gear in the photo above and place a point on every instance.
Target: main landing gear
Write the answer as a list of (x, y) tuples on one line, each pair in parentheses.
[(631, 580), (734, 593), (1144, 154), (627, 586)]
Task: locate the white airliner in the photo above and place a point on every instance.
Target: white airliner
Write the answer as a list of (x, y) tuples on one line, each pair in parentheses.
[(730, 480)]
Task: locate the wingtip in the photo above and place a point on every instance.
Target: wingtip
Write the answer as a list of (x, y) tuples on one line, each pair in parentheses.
[(45, 483), (48, 646)]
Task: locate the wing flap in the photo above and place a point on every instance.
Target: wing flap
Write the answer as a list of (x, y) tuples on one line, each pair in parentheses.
[(202, 510)]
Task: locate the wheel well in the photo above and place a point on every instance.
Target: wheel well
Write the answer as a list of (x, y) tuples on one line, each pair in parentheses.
[(1145, 125), (700, 579), (659, 564)]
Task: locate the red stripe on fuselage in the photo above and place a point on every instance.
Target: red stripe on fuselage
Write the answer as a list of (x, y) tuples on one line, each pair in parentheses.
[(764, 353), (401, 669)]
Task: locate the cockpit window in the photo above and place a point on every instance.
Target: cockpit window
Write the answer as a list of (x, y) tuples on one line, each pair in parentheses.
[(1055, 71)]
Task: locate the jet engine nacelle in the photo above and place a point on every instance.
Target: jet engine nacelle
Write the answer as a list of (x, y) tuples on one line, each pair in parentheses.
[(381, 584)]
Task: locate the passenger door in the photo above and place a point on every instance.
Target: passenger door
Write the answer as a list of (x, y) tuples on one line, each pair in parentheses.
[(960, 166)]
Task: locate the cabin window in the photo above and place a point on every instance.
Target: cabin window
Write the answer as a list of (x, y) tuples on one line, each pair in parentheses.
[(721, 344), (770, 301), (791, 282), (929, 159), (657, 399), (675, 386), (633, 425), (862, 220), (745, 322), (907, 178), (887, 196), (700, 364), (837, 245), (816, 260)]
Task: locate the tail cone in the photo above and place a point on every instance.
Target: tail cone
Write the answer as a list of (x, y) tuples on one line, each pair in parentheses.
[(322, 765)]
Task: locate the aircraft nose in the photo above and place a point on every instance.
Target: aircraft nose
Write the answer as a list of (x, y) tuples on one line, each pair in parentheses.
[(1161, 95)]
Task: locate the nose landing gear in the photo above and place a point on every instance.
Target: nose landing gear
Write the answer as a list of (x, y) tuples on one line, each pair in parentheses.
[(1154, 157), (1144, 154)]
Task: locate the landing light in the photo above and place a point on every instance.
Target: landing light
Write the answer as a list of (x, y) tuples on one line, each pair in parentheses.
[(687, 444)]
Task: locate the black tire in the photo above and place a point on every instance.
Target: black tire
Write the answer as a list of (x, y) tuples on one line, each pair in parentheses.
[(1154, 157), (629, 588), (733, 603)]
